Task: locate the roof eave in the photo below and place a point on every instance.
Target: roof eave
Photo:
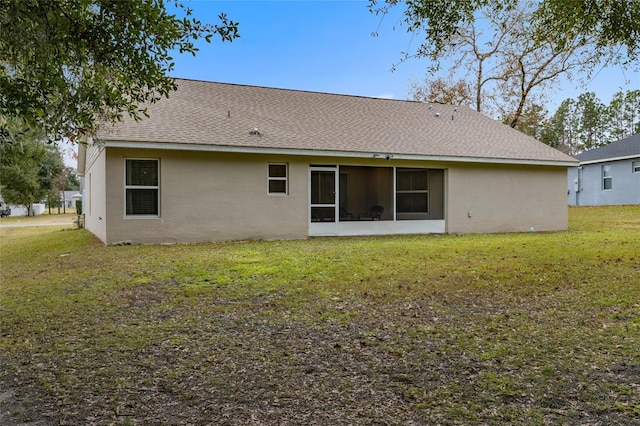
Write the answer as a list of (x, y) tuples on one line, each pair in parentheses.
[(327, 153), (606, 160)]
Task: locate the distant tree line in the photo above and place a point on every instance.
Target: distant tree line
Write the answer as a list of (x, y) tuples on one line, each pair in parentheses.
[(31, 168), (584, 123)]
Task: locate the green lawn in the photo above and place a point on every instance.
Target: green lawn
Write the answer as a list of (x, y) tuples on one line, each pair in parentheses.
[(45, 217), (533, 328)]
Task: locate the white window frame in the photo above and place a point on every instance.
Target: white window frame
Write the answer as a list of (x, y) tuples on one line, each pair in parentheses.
[(635, 166), (284, 179), (127, 187), (607, 174)]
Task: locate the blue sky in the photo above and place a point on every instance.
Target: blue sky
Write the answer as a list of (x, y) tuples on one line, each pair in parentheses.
[(327, 46)]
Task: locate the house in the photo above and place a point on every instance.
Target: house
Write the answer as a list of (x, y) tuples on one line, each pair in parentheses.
[(609, 175), (226, 162), (13, 210), (69, 198)]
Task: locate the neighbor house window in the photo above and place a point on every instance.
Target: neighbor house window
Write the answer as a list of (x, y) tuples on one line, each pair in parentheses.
[(607, 179), (412, 191), (636, 166), (142, 187), (277, 179)]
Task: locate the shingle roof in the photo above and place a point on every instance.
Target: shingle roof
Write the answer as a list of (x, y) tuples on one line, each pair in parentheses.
[(206, 113), (626, 147)]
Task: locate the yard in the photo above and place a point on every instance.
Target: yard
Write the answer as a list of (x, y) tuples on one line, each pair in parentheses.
[(533, 328)]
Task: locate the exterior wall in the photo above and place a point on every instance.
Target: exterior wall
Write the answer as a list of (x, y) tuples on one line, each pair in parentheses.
[(93, 205), (209, 197), (491, 198), (625, 184), (573, 190)]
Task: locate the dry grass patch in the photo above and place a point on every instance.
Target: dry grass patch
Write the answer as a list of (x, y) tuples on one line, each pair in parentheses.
[(539, 328)]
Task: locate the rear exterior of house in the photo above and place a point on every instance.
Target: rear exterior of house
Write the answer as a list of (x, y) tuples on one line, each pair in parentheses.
[(609, 175), (222, 162)]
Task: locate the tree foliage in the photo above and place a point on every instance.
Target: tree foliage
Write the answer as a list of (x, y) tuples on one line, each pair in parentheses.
[(587, 123), (506, 67), (29, 166), (66, 65), (71, 182), (442, 91), (607, 22), (532, 121)]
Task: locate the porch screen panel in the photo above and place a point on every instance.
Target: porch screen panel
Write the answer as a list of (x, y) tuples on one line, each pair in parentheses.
[(366, 193), (412, 192)]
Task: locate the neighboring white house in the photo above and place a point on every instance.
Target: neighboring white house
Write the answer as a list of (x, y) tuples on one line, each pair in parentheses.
[(225, 162), (609, 175), (38, 208)]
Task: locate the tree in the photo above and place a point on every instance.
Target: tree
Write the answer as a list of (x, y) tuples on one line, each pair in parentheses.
[(591, 112), (506, 67), (441, 91), (71, 182), (610, 23), (29, 166), (624, 114), (531, 121), (480, 56), (67, 65), (587, 123), (560, 131)]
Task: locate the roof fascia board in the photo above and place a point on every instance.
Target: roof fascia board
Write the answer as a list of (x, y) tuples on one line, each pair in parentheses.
[(320, 153), (606, 160)]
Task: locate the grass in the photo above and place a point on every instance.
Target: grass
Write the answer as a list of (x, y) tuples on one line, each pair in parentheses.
[(44, 218), (534, 328)]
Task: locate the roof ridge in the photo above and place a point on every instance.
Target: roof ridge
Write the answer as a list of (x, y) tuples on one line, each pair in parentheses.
[(308, 91)]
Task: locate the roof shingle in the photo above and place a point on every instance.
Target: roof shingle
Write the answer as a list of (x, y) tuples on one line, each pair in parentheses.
[(222, 114), (626, 147)]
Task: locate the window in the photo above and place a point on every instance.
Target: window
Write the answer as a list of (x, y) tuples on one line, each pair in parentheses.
[(607, 179), (142, 187), (277, 179), (412, 191), (636, 166)]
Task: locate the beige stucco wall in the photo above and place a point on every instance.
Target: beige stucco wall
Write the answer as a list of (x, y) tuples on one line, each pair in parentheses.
[(498, 198), (209, 197)]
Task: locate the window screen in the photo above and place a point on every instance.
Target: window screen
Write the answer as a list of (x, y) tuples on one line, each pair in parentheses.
[(412, 191), (142, 187)]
